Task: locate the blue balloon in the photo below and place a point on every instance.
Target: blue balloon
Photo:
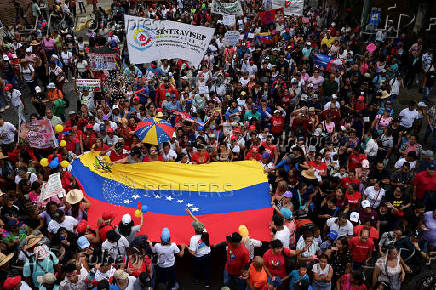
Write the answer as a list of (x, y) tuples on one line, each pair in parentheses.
[(53, 164), (144, 208)]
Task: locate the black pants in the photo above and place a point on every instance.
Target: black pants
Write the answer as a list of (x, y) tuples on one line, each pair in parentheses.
[(167, 276), (82, 5), (202, 268)]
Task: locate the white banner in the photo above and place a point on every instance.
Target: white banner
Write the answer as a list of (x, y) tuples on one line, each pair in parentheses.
[(291, 7), (230, 8), (52, 187), (229, 20), (88, 84), (231, 38), (149, 40)]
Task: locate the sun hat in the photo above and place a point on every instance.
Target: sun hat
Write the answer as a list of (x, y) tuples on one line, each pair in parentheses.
[(126, 219), (243, 231), (48, 278), (83, 242), (287, 213), (32, 240), (4, 259), (385, 95), (11, 282), (198, 226), (354, 216), (308, 173), (74, 196), (365, 204), (121, 275), (165, 236), (51, 86)]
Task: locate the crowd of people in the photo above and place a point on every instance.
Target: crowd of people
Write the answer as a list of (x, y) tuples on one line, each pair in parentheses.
[(351, 170)]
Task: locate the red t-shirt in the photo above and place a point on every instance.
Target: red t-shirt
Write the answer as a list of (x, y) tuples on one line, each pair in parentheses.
[(355, 161), (346, 181), (423, 182), (197, 158), (353, 199), (373, 233), (251, 154), (237, 258), (103, 229), (360, 251), (115, 157), (276, 263), (159, 158), (269, 148), (277, 124), (322, 167)]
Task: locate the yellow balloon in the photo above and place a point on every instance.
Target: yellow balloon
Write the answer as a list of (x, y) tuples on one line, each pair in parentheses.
[(63, 143), (138, 213), (59, 128), (44, 162), (65, 164)]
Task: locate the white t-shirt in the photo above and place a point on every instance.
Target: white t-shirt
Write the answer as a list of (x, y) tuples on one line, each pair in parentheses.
[(374, 196), (198, 246), (9, 130), (66, 57), (408, 117), (165, 254), (401, 161), (15, 98), (284, 236), (342, 231), (69, 223), (250, 244), (171, 154), (32, 178), (116, 249)]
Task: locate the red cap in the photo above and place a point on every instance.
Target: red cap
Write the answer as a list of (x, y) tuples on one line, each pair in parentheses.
[(82, 227), (251, 61), (110, 33), (159, 110), (11, 282), (110, 130), (9, 86), (108, 216), (237, 130), (89, 126), (233, 138), (252, 127), (361, 98)]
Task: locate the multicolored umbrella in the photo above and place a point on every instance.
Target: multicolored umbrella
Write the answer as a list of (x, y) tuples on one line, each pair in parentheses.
[(154, 131)]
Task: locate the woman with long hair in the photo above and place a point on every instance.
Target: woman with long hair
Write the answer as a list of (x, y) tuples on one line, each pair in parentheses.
[(127, 227), (199, 248)]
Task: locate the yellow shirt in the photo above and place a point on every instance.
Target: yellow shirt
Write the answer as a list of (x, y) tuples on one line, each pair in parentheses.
[(327, 41)]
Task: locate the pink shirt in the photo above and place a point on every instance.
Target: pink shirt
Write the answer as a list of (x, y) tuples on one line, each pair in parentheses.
[(49, 44)]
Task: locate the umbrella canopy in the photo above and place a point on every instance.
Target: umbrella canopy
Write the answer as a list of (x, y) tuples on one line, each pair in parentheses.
[(154, 131)]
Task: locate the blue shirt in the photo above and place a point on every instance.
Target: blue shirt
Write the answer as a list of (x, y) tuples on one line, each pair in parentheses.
[(295, 278)]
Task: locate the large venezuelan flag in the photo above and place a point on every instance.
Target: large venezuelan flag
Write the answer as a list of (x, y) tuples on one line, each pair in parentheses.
[(222, 195)]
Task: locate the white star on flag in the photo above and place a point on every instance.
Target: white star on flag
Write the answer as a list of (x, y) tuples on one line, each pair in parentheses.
[(189, 204), (127, 201), (170, 198), (135, 196), (157, 196), (195, 209), (180, 200)]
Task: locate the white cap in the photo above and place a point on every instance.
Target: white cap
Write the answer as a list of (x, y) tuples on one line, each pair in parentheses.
[(422, 104), (29, 49), (38, 89), (114, 107), (333, 24), (310, 85), (5, 57), (51, 86), (55, 56), (354, 217), (308, 43), (334, 96), (366, 204), (126, 219)]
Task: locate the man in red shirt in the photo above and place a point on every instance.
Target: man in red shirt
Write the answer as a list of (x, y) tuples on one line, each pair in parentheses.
[(104, 224), (163, 89), (351, 178), (271, 148), (361, 249), (238, 261), (355, 159), (423, 181)]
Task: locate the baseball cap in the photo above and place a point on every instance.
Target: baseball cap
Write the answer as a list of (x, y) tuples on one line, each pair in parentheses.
[(5, 57), (83, 242), (38, 89), (165, 236), (287, 194), (354, 216), (334, 96), (198, 226), (366, 204), (422, 104), (333, 235), (252, 127), (88, 126), (11, 282), (82, 226), (109, 130), (48, 278), (265, 155), (361, 98), (312, 148), (126, 219)]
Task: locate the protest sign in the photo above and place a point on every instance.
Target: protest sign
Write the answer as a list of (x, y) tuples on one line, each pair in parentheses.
[(291, 7), (149, 39), (229, 20), (268, 17), (229, 8), (102, 61), (39, 134), (53, 187), (88, 84), (231, 38)]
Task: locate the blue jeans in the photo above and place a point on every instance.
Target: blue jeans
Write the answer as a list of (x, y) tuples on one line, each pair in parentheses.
[(428, 132), (240, 284), (202, 268)]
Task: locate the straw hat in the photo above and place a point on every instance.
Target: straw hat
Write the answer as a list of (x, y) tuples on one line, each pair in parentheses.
[(74, 196), (32, 240), (385, 95), (4, 259), (308, 173)]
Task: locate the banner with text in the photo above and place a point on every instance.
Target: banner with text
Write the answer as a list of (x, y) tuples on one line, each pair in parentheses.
[(150, 40), (102, 61), (39, 134), (88, 84), (230, 8), (291, 7), (229, 20), (231, 38), (53, 187)]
